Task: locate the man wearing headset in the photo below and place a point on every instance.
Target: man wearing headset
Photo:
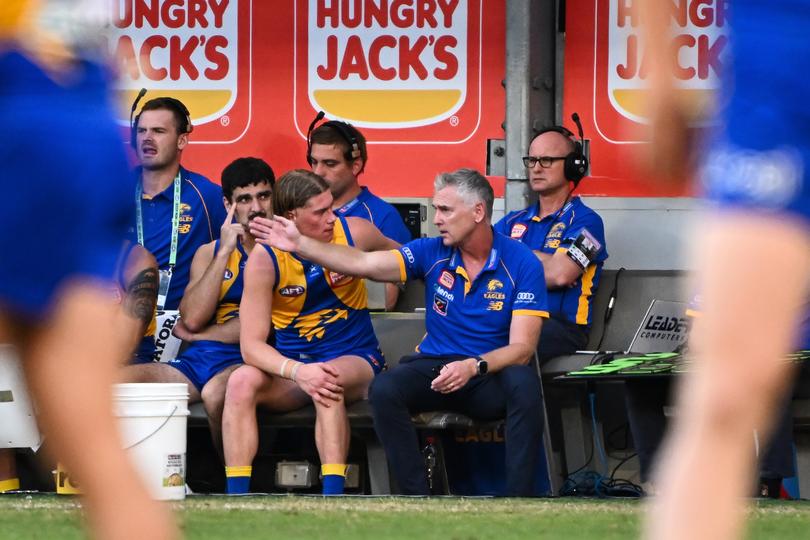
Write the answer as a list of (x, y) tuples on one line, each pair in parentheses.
[(177, 210), (338, 154), (567, 237)]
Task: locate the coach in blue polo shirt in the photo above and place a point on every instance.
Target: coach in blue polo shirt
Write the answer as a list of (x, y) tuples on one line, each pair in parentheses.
[(484, 310), (338, 153), (567, 236), (176, 211)]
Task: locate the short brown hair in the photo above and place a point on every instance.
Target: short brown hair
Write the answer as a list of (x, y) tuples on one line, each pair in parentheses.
[(340, 134), (295, 188)]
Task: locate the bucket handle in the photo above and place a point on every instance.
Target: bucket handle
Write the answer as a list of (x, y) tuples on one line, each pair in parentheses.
[(171, 414)]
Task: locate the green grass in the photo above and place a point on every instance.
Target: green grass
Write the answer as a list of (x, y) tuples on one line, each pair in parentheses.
[(358, 518)]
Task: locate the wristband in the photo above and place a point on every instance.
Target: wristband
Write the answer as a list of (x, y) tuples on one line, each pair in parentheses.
[(283, 367), (295, 370)]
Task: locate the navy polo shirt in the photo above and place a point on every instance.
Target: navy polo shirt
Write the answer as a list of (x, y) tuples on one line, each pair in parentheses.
[(473, 318), (202, 214), (557, 232), (382, 214)]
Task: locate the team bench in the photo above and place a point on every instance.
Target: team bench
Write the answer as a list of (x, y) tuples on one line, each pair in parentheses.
[(398, 334)]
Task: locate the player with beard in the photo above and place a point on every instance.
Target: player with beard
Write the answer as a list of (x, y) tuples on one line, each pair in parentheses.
[(210, 306)]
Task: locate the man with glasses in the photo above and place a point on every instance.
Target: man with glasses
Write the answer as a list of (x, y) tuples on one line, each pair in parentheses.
[(567, 237)]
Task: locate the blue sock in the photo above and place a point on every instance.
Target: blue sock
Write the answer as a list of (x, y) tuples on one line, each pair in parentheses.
[(334, 478), (238, 479)]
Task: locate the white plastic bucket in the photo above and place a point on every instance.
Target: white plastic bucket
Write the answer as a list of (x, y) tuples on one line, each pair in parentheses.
[(152, 422)]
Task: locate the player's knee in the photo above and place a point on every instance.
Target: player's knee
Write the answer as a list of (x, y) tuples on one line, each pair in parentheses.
[(243, 385), (213, 397)]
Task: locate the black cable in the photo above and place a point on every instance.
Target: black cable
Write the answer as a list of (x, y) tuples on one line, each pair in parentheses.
[(614, 294)]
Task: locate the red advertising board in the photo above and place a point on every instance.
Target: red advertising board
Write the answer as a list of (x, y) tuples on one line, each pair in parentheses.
[(420, 78)]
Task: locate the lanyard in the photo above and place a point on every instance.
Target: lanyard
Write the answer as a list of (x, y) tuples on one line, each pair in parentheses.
[(175, 217), (349, 205)]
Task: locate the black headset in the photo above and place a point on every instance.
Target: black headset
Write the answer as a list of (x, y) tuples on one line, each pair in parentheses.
[(576, 163), (175, 105), (347, 131)]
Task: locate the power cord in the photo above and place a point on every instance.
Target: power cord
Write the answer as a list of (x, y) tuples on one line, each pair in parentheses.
[(614, 294), (590, 483)]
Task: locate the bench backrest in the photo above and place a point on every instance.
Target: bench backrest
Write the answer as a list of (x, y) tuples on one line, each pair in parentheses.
[(398, 334)]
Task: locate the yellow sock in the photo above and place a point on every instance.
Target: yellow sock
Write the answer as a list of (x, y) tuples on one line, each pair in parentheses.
[(9, 484)]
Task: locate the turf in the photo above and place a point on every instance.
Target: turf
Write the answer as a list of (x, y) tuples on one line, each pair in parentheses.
[(358, 518)]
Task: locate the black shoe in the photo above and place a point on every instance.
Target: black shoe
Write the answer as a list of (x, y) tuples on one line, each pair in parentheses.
[(770, 488)]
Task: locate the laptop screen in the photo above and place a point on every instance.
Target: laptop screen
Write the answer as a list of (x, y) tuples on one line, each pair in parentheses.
[(664, 327)]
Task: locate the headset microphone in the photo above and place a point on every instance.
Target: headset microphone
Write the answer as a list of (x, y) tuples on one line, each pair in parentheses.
[(132, 133), (135, 104), (575, 118), (317, 119)]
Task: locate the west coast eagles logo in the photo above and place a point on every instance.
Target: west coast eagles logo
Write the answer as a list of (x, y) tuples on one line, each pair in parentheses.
[(494, 291)]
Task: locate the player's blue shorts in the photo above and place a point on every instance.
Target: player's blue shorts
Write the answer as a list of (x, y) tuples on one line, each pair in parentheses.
[(761, 160), (65, 191), (204, 359), (374, 357)]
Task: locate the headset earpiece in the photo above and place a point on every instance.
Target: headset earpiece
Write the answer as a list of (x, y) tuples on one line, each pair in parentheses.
[(347, 132)]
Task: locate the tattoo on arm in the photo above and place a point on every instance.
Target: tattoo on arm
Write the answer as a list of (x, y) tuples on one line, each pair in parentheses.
[(141, 296)]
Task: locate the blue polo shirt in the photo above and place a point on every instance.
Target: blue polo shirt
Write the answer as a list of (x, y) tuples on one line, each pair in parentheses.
[(557, 232), (473, 318), (382, 214), (202, 214)]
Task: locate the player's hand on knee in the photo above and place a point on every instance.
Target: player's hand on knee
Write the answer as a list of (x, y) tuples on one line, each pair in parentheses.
[(320, 381)]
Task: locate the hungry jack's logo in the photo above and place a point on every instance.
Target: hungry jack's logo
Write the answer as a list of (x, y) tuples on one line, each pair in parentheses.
[(198, 52), (404, 70), (700, 43)]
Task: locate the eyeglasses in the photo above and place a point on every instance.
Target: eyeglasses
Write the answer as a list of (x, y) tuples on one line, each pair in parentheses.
[(544, 161)]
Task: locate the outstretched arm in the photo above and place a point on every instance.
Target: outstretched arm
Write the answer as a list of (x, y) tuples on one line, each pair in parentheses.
[(282, 233)]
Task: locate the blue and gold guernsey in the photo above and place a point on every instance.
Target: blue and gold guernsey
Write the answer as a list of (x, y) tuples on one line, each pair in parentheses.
[(202, 360), (230, 293), (557, 232), (63, 172), (318, 314), (472, 318)]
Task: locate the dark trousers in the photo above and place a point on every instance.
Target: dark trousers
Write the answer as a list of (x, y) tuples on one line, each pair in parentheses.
[(646, 398), (560, 337), (513, 393)]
